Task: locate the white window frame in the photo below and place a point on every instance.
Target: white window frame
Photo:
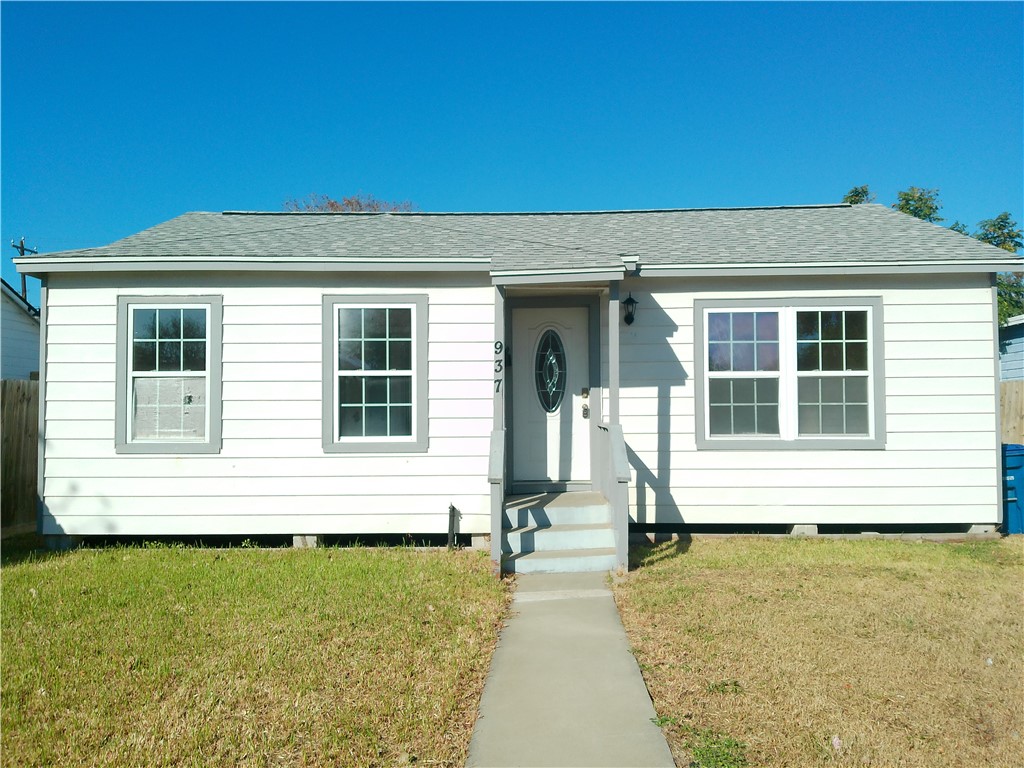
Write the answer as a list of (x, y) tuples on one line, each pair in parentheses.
[(124, 441), (788, 375), (333, 441)]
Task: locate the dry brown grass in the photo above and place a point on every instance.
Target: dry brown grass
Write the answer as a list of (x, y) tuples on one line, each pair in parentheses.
[(245, 657), (823, 652)]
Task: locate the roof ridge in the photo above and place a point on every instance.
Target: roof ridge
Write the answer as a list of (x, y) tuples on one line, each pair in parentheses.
[(536, 213)]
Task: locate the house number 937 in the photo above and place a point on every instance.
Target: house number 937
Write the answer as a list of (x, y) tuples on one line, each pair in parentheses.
[(499, 365)]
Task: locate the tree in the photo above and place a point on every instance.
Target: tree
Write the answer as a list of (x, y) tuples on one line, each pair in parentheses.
[(956, 226), (360, 202), (920, 203), (859, 195), (1002, 232), (1010, 295)]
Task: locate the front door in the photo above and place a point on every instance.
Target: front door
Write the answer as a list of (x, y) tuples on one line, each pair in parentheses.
[(550, 389)]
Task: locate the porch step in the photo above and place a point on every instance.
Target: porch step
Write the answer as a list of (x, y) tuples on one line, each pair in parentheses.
[(540, 538), (557, 533), (555, 509), (560, 561)]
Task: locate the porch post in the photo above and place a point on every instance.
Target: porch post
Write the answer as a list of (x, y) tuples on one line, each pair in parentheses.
[(617, 480), (613, 352), (496, 463)]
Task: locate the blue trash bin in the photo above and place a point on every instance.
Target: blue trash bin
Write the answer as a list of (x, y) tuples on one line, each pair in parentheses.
[(1013, 489)]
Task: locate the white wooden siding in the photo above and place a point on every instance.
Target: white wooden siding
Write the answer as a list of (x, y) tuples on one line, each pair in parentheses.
[(19, 341), (939, 463), (271, 476)]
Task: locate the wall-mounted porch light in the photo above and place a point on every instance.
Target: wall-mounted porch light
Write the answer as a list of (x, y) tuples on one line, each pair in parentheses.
[(629, 304)]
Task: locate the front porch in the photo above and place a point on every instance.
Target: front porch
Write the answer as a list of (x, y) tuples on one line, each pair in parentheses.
[(559, 474)]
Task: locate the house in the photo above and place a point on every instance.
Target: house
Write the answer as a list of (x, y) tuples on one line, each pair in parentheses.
[(19, 338), (558, 379), (1011, 349)]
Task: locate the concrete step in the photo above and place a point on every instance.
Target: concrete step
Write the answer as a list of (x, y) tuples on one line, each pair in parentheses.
[(560, 561), (538, 538), (555, 509)]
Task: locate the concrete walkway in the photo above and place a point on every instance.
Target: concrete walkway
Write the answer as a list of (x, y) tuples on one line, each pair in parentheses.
[(563, 688)]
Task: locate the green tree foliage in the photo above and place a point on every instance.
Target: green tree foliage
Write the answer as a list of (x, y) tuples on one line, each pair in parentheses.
[(920, 203), (957, 226), (859, 195), (360, 202), (1002, 232), (1010, 293)]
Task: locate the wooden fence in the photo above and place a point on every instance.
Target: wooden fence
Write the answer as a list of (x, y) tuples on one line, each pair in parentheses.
[(1011, 417), (19, 424)]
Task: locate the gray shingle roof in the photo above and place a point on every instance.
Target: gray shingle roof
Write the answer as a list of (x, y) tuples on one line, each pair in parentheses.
[(539, 242)]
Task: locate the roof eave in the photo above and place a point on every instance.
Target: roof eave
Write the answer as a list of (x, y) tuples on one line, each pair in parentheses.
[(37, 266), (21, 301), (830, 268), (582, 275)]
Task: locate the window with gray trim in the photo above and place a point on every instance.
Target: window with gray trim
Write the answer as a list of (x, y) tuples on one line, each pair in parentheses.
[(375, 373), (168, 371), (805, 373)]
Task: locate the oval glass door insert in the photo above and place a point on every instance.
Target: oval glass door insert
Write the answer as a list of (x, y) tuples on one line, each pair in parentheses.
[(550, 371)]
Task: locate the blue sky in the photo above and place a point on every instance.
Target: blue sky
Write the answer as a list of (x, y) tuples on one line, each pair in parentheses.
[(118, 116)]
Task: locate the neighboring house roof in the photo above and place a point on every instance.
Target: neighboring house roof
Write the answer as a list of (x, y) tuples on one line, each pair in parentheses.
[(524, 245), (1015, 320), (22, 303)]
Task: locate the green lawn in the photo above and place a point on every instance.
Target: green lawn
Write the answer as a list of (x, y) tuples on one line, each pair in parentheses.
[(783, 652), (190, 656)]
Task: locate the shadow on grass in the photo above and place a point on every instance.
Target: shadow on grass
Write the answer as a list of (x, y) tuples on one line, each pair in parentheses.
[(24, 546), (643, 555)]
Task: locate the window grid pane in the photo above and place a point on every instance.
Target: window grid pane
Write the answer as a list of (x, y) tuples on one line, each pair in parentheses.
[(832, 405), (744, 406), (170, 340), (743, 341), (169, 408), (375, 406), (375, 339), (832, 340)]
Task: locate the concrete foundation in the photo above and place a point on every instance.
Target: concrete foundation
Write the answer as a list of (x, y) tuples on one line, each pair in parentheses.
[(803, 530), (307, 542)]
